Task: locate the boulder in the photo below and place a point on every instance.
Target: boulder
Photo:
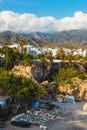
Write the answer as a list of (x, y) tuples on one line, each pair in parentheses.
[(84, 107)]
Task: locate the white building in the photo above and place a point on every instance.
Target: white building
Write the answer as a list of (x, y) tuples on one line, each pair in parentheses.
[(35, 50), (80, 52)]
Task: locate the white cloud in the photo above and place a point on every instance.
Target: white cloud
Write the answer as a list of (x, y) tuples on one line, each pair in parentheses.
[(26, 23)]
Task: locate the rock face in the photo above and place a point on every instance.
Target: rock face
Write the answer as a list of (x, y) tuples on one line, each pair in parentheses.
[(22, 70), (78, 88), (84, 107), (39, 72), (42, 72)]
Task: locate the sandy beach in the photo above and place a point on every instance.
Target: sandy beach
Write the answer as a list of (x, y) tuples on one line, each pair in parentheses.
[(72, 118)]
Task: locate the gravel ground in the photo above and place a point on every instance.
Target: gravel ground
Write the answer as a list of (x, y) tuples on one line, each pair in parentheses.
[(69, 119)]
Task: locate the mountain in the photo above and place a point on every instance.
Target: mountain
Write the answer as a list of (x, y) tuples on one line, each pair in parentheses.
[(70, 39), (12, 38), (62, 36)]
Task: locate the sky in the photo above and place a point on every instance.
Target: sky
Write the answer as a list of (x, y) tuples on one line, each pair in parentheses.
[(42, 15)]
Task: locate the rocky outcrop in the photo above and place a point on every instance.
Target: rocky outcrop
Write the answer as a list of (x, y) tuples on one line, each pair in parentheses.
[(84, 107), (38, 72), (22, 70), (78, 88), (41, 71), (45, 71)]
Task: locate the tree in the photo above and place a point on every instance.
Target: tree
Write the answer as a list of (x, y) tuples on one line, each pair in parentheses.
[(4, 43), (5, 51), (19, 87), (41, 56), (5, 60), (15, 55), (21, 44), (50, 56), (64, 76), (27, 57), (60, 54), (11, 57)]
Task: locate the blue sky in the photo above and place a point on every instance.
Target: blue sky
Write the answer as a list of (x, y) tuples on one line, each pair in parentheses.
[(55, 8), (42, 15)]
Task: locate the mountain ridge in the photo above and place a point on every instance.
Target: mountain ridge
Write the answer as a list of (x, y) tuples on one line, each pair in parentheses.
[(68, 39), (62, 36)]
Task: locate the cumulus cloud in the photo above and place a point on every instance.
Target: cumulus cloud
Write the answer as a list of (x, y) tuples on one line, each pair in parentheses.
[(26, 23)]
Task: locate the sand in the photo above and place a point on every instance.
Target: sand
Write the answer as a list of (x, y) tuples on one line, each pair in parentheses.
[(72, 118)]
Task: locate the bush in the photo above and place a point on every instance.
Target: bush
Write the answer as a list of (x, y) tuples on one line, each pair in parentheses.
[(82, 76), (64, 76)]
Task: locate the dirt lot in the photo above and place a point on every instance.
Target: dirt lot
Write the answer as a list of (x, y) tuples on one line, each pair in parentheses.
[(73, 118)]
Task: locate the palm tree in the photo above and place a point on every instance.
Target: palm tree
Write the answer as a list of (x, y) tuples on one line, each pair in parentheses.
[(50, 56), (5, 51), (21, 44), (4, 43), (10, 56)]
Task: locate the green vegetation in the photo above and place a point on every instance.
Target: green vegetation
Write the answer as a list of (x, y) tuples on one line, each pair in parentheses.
[(19, 87), (13, 57), (64, 76), (82, 76), (60, 54), (21, 44), (70, 57)]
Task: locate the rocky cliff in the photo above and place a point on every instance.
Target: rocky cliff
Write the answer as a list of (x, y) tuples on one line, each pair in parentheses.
[(41, 72), (78, 88)]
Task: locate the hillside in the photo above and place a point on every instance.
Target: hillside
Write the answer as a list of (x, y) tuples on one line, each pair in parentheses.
[(43, 74), (69, 39), (12, 38), (80, 35)]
